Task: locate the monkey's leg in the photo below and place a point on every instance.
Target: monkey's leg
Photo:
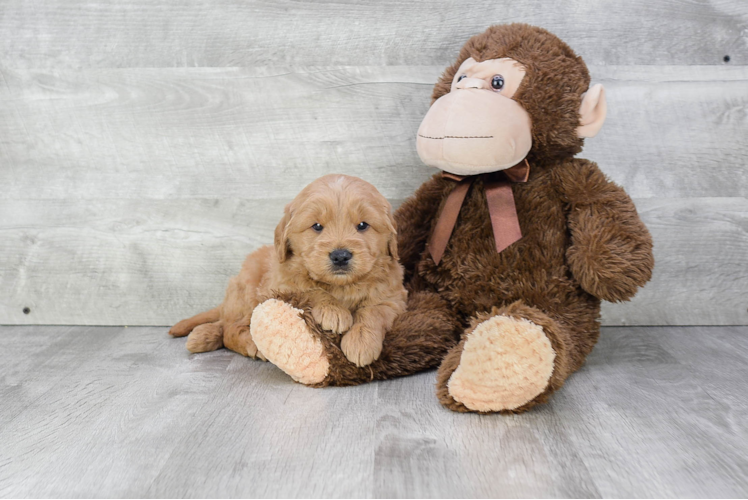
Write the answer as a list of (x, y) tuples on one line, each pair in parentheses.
[(508, 360), (285, 332)]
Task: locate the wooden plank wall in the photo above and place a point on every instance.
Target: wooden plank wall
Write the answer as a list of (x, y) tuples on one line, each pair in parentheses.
[(146, 147)]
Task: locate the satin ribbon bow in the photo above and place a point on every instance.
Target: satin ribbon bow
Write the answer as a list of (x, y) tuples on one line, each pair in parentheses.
[(501, 208)]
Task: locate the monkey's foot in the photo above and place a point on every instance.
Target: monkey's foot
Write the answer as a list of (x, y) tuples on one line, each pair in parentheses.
[(505, 363), (282, 335)]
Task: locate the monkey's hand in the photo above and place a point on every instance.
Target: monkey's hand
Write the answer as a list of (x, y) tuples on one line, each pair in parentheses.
[(611, 251)]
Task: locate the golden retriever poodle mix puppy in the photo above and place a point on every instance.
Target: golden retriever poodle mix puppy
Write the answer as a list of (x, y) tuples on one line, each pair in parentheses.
[(336, 244)]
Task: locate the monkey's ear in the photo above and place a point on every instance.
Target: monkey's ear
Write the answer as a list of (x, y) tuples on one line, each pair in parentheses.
[(592, 112), (281, 243)]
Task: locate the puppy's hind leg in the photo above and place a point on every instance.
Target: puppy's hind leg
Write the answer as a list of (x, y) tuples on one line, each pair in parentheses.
[(206, 337), (185, 326), (238, 339)]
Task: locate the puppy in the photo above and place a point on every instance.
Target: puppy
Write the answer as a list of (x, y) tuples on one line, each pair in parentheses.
[(336, 243)]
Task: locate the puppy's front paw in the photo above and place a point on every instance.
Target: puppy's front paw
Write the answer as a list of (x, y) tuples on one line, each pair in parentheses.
[(361, 345), (332, 318)]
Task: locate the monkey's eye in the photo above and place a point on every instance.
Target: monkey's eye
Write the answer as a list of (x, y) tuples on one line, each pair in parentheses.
[(461, 77), (362, 226), (497, 82), (317, 227)]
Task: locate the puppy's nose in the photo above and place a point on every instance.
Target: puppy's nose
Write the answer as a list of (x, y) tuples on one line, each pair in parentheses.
[(340, 257)]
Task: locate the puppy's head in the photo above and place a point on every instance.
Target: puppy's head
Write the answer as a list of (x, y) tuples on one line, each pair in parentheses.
[(337, 229)]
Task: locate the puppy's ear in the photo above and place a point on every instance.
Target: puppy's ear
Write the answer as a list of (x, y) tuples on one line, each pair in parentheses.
[(281, 243), (392, 228)]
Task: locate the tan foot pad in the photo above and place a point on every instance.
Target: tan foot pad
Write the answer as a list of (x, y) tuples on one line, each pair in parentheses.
[(505, 363), (283, 337)]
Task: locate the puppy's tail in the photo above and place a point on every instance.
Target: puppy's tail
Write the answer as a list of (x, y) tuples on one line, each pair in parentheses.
[(185, 326)]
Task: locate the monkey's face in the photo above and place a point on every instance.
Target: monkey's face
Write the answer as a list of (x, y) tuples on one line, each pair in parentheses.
[(477, 127)]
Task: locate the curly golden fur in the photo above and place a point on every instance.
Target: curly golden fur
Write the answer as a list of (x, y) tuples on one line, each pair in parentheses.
[(359, 299)]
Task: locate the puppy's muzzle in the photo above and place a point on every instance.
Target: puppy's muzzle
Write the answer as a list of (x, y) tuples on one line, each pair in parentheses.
[(340, 259)]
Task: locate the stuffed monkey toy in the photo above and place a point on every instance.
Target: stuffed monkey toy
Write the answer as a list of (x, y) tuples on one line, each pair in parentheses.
[(507, 251)]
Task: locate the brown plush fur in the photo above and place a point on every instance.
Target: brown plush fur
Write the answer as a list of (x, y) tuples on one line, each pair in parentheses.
[(418, 340), (361, 301), (582, 238)]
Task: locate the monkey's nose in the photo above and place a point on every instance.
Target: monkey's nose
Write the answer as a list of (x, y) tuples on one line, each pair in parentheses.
[(340, 258)]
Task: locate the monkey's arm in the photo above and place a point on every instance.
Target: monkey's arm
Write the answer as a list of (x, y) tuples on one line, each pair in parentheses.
[(414, 222), (611, 250)]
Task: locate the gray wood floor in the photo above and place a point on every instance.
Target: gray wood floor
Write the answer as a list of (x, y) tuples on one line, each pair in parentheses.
[(111, 411)]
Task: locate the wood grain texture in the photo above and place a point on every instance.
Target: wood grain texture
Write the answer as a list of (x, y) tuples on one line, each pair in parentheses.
[(183, 33), (145, 262), (701, 265), (656, 412), (107, 422), (637, 389), (321, 440), (125, 261), (34, 360), (131, 194), (424, 450), (266, 133)]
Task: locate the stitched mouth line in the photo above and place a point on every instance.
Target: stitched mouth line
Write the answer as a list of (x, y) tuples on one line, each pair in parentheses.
[(458, 137)]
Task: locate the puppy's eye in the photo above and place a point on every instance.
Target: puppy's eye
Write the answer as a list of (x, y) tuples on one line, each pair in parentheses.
[(497, 83), (317, 227), (461, 77), (362, 226)]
